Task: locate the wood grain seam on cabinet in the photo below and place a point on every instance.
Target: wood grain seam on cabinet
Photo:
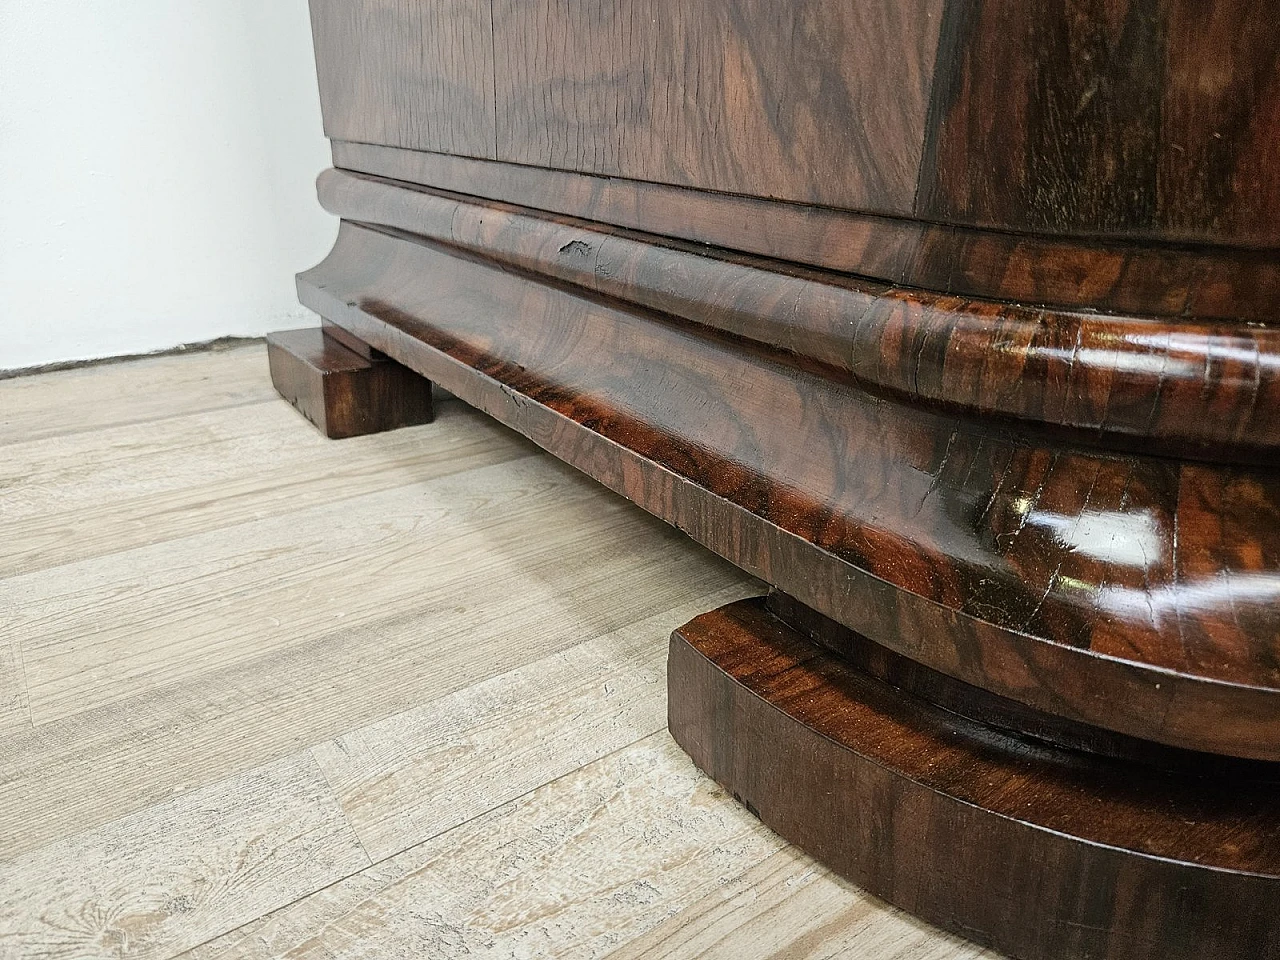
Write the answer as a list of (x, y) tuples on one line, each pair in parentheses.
[(431, 169)]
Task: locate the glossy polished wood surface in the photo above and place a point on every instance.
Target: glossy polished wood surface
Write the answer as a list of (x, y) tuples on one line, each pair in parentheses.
[(1031, 849), (1127, 117), (1124, 118), (1136, 593), (1111, 275), (1205, 389), (738, 96), (956, 320)]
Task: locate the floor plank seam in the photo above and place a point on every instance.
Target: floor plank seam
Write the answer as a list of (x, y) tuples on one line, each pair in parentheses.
[(420, 842), (116, 425), (337, 800), (26, 687)]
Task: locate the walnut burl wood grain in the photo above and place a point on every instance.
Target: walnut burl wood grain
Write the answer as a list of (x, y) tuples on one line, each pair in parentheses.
[(407, 72), (343, 393), (1035, 850), (1132, 592), (1197, 388), (739, 96), (1124, 118)]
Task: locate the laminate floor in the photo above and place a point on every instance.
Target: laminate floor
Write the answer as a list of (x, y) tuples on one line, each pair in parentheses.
[(264, 694)]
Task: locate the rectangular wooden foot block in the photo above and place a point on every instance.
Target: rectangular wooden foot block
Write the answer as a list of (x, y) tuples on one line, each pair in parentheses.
[(340, 391)]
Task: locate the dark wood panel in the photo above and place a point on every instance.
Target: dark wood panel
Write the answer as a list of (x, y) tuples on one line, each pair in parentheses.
[(821, 101), (1135, 593), (1204, 282), (1040, 852), (1195, 389), (1120, 117), (1220, 120), (1046, 115), (407, 73)]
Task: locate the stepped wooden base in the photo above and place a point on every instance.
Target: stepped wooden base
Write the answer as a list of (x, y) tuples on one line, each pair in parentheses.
[(1036, 850), (345, 393), (994, 496)]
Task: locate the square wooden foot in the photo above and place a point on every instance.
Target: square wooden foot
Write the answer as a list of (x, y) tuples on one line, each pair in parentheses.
[(340, 391)]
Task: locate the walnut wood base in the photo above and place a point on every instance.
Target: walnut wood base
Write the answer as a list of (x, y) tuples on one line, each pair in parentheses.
[(1130, 592), (1076, 544), (345, 393), (1036, 850)]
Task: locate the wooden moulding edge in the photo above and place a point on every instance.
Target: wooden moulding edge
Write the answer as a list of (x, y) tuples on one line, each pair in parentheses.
[(1200, 388)]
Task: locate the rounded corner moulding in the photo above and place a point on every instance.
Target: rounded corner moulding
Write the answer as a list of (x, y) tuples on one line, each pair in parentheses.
[(1041, 571)]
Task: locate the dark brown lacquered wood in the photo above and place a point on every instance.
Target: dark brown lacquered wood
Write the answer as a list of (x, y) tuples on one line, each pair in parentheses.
[(1135, 593), (956, 320), (1117, 276), (343, 393), (1220, 121), (1038, 851), (740, 96), (999, 713), (407, 73), (1196, 388), (1121, 117)]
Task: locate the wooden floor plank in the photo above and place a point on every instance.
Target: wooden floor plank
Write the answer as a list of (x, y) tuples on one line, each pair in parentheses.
[(109, 628), (435, 639), (790, 906), (245, 649), (150, 388), (414, 775), (572, 869), (179, 872), (77, 496)]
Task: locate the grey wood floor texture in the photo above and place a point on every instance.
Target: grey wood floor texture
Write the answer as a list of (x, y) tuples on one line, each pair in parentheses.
[(263, 695)]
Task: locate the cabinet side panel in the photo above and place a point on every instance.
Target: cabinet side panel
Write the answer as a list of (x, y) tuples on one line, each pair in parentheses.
[(1220, 162)]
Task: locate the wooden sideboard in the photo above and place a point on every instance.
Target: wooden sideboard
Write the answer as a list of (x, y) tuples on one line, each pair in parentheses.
[(953, 320)]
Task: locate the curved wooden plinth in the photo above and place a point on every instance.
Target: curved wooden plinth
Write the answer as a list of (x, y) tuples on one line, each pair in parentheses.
[(1124, 590), (1035, 850)]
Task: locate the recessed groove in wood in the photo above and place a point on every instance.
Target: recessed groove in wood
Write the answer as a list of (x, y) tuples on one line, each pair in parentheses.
[(1210, 281), (343, 392), (1041, 572), (1195, 387)]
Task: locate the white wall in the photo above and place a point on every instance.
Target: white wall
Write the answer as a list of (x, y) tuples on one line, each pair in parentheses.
[(157, 167)]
